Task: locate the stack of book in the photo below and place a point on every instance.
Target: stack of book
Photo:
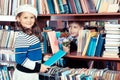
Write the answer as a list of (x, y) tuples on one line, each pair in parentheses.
[(112, 40)]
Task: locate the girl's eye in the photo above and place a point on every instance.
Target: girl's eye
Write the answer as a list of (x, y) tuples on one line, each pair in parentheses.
[(25, 17), (32, 17)]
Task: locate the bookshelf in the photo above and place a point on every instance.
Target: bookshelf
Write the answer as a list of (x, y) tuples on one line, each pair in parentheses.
[(42, 18), (83, 17), (67, 17)]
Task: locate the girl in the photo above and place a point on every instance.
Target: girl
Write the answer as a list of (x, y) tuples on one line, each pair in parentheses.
[(28, 53)]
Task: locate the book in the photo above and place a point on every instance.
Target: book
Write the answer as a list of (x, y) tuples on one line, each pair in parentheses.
[(90, 6), (115, 36), (78, 6), (5, 73), (11, 39), (103, 6), (72, 7), (61, 7), (100, 45), (53, 41), (54, 58), (83, 5), (91, 47), (113, 8), (5, 39), (89, 35), (56, 7), (81, 41)]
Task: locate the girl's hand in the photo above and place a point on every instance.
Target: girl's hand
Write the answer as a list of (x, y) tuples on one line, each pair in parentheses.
[(44, 68)]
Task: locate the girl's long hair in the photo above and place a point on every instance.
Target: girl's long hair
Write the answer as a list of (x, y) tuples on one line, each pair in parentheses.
[(36, 30)]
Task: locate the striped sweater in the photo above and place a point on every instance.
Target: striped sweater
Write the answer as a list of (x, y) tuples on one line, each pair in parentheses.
[(28, 51)]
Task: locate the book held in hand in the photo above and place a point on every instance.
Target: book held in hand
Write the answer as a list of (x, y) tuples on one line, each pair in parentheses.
[(53, 59)]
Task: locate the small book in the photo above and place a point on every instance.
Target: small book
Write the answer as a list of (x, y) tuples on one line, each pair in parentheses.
[(53, 59)]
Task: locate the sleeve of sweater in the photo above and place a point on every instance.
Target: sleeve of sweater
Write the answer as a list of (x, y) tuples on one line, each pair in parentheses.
[(26, 56)]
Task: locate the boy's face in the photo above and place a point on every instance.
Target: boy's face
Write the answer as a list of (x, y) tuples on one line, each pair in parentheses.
[(74, 29)]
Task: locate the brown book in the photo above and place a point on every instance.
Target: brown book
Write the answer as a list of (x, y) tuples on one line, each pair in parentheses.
[(73, 7), (83, 6)]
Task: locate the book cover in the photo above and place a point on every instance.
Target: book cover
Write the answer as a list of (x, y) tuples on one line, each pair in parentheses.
[(72, 7), (5, 73), (1, 33), (54, 58), (103, 6), (66, 7), (91, 47), (113, 8), (47, 11), (56, 7), (78, 6), (11, 39), (51, 6), (5, 39), (83, 6), (100, 45), (90, 34), (61, 7), (90, 6), (53, 41), (81, 41)]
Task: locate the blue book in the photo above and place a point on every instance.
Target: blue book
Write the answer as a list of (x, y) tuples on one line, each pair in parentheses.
[(78, 6), (53, 59), (5, 72), (69, 6), (91, 47), (100, 45), (51, 6), (61, 7), (44, 44)]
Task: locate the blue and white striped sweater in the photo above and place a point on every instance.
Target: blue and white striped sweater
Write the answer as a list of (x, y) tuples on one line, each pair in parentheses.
[(28, 50)]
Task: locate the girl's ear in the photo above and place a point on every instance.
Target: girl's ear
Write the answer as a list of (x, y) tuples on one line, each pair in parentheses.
[(18, 19)]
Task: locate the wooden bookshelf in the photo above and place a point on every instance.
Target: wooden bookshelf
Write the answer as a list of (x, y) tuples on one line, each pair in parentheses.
[(81, 17), (78, 17), (92, 58)]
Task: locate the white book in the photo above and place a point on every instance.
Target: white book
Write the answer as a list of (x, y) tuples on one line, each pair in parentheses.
[(113, 36), (112, 39), (112, 31)]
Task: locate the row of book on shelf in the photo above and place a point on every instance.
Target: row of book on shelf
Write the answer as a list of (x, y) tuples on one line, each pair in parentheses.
[(58, 73), (8, 7), (6, 72), (7, 38), (89, 43)]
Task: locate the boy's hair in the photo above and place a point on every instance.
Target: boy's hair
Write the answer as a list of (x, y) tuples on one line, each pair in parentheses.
[(77, 22)]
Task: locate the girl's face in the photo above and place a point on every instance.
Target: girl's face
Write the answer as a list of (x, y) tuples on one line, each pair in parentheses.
[(26, 19), (74, 29)]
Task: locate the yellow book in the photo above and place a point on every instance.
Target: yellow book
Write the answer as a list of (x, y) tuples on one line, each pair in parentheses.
[(89, 34), (103, 7)]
